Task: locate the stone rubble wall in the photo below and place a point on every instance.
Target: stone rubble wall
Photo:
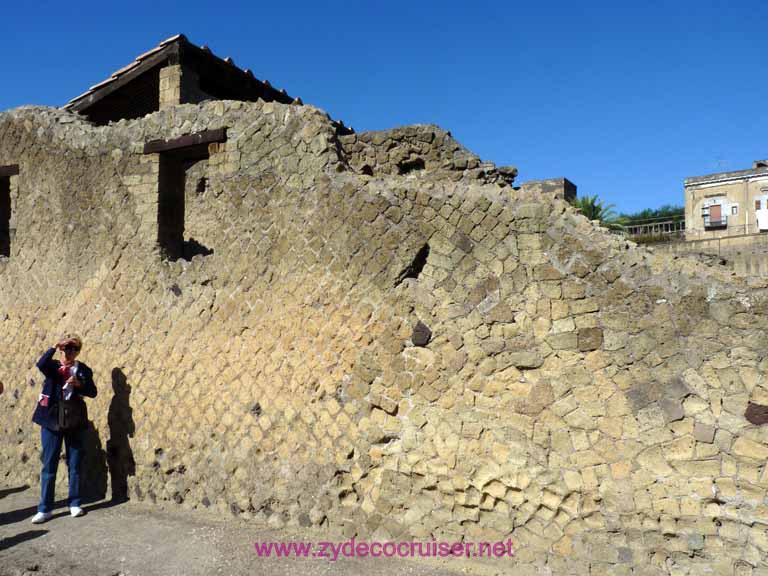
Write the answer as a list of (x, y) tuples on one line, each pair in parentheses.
[(410, 149), (578, 394)]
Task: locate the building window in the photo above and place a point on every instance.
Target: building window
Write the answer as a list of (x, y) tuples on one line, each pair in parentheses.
[(170, 207), (734, 210), (5, 216), (714, 217), (5, 208), (183, 164), (761, 213)]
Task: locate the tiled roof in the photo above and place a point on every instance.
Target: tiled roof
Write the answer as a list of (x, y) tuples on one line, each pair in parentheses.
[(115, 75), (164, 45)]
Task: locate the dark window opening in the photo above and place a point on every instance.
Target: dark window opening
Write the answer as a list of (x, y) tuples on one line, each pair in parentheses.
[(414, 269), (171, 209), (410, 166), (5, 216), (182, 159)]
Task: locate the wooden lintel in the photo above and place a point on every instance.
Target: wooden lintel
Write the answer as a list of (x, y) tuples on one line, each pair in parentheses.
[(187, 141), (9, 170)]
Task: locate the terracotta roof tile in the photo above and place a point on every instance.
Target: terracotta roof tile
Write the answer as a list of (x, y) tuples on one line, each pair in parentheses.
[(141, 57), (172, 39), (76, 98), (102, 83), (125, 69)]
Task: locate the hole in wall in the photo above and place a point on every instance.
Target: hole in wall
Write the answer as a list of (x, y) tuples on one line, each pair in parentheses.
[(416, 266), (5, 216), (170, 208), (410, 166), (177, 170)]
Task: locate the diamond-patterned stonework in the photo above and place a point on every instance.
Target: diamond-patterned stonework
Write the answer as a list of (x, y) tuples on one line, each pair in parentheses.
[(577, 393)]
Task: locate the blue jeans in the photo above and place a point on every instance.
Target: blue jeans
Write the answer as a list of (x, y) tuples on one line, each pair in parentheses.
[(51, 452)]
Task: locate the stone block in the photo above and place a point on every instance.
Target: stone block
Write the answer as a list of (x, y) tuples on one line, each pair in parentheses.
[(681, 449), (546, 272), (654, 461), (563, 325), (421, 334), (673, 409), (590, 339), (756, 414), (750, 449), (704, 433), (525, 360), (563, 341), (584, 306)]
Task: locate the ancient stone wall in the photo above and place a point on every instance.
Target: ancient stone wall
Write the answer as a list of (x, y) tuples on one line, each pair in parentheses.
[(410, 149), (414, 355)]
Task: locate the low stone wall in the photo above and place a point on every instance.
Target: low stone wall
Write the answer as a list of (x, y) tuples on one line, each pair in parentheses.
[(746, 255), (400, 356)]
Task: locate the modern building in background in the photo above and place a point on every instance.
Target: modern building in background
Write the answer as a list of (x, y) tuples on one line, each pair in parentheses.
[(727, 203)]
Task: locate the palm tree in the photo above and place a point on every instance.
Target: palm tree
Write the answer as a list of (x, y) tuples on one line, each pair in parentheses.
[(594, 209)]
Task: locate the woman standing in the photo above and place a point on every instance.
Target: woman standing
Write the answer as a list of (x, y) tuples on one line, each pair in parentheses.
[(62, 417)]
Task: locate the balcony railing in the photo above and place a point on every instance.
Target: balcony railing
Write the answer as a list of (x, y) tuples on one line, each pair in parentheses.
[(655, 229)]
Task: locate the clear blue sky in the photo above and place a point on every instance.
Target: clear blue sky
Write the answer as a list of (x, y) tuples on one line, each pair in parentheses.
[(623, 98)]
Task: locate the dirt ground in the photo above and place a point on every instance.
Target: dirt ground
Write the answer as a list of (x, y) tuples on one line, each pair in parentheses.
[(140, 539)]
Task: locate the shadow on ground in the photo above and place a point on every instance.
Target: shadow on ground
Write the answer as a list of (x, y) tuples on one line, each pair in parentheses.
[(8, 491), (10, 542), (22, 514)]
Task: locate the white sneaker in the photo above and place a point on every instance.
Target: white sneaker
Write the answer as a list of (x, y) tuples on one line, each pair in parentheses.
[(76, 511), (41, 517)]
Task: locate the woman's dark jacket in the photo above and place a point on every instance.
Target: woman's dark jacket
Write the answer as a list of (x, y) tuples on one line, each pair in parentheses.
[(48, 416)]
